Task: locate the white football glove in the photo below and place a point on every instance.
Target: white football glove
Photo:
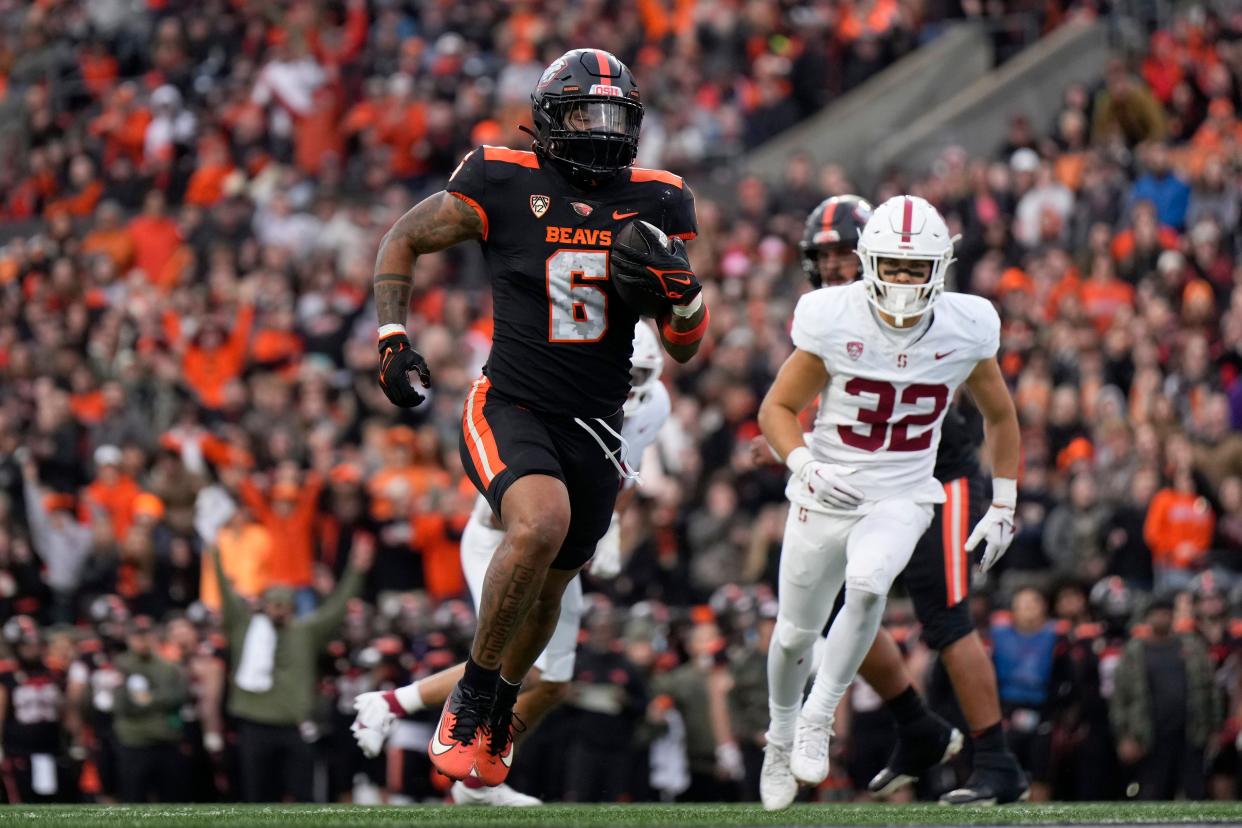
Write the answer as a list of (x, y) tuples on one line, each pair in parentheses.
[(996, 527), (374, 721), (607, 560), (824, 481)]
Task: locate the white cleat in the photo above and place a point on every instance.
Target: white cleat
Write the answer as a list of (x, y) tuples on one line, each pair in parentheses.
[(777, 786), (501, 795), (809, 759)]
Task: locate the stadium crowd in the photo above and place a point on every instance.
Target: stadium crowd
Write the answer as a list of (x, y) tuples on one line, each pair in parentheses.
[(192, 197)]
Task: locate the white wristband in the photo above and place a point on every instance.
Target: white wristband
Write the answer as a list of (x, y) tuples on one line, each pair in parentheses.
[(389, 330), (798, 458), (689, 309), (1005, 492)]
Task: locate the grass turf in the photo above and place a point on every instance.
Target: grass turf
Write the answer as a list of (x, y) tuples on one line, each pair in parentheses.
[(619, 816)]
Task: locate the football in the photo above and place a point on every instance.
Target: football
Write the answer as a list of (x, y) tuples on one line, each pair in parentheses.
[(634, 248)]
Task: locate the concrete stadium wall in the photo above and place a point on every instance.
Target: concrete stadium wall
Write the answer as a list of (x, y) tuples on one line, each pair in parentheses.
[(976, 118), (846, 131)]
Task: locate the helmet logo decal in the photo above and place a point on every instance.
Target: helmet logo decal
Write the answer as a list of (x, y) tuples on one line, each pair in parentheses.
[(854, 349), (551, 72), (539, 205), (606, 89)]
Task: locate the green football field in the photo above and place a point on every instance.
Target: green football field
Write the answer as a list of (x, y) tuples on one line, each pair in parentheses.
[(622, 816)]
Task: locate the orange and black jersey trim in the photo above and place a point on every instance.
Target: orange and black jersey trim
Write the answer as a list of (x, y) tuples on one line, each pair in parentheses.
[(562, 334)]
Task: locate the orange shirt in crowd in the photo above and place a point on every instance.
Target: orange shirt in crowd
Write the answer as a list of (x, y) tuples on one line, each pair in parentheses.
[(418, 481), (433, 536), (206, 185), (117, 245), (292, 563), (1102, 299), (156, 239), (88, 408), (245, 554), (115, 500), (209, 371), (1178, 529)]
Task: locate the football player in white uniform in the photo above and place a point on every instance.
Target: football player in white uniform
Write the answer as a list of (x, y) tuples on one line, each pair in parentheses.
[(887, 353), (646, 410)]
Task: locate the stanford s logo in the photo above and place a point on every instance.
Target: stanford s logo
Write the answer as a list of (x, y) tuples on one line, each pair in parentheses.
[(581, 209), (854, 349), (539, 205)]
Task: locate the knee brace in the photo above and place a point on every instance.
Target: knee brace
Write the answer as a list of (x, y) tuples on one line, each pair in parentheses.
[(867, 587), (792, 637)]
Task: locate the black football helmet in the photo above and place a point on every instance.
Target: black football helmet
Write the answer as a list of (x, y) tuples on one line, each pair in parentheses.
[(587, 113), (835, 224)]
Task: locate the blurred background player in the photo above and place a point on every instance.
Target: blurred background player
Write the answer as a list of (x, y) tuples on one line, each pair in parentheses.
[(855, 343), (646, 410), (540, 431)]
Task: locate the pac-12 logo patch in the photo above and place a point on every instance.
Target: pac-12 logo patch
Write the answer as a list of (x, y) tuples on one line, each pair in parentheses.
[(539, 205), (581, 209), (854, 349)]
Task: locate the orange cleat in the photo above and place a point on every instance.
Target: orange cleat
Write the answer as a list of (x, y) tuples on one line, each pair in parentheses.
[(461, 737), (496, 753)]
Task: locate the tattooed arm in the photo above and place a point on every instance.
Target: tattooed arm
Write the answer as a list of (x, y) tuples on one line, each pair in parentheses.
[(438, 221)]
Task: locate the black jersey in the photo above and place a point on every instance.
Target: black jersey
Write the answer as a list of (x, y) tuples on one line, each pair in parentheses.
[(563, 336), (958, 455), (36, 700)]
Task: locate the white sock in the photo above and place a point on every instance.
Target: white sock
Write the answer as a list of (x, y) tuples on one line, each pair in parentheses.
[(410, 698), (782, 724), (849, 639)]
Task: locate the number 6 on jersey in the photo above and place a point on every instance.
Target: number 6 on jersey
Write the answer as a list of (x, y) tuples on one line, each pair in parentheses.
[(577, 309)]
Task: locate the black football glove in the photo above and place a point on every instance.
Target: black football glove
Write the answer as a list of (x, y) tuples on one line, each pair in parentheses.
[(652, 263), (397, 360)]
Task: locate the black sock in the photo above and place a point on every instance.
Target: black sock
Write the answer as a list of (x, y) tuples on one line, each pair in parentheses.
[(990, 739), (907, 707), (506, 693), (480, 679)]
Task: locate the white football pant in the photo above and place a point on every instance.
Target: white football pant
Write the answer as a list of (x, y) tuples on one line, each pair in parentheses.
[(863, 551)]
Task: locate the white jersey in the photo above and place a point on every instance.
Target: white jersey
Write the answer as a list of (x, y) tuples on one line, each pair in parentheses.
[(887, 395)]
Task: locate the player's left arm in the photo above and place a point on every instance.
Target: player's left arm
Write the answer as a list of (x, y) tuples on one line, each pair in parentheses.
[(681, 333), (1000, 428)]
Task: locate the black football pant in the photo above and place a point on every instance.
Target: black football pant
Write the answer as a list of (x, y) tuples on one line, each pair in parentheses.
[(154, 773), (275, 762)]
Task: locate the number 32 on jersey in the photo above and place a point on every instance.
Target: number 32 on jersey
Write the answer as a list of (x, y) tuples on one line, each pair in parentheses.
[(882, 432), (577, 301)]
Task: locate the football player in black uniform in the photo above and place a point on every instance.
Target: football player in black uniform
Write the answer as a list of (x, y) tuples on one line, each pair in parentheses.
[(540, 434), (32, 702), (936, 578)]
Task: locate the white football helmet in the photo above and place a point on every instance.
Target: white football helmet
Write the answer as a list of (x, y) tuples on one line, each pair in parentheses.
[(645, 367), (905, 227)]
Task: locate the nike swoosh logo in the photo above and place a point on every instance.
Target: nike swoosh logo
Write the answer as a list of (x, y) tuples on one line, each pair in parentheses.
[(617, 215), (507, 756), (678, 281), (945, 354), (438, 748)]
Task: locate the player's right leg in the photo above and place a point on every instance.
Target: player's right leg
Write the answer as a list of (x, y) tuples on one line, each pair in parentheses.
[(938, 581), (510, 457), (812, 570), (878, 548)]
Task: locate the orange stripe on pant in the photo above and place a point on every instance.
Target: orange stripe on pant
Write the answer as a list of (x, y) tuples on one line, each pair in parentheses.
[(947, 514), (963, 533), (479, 438)]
